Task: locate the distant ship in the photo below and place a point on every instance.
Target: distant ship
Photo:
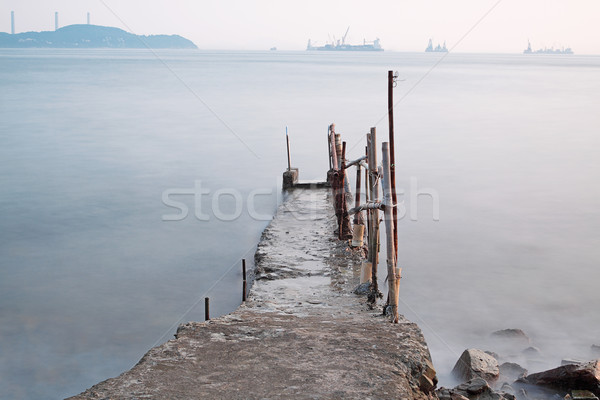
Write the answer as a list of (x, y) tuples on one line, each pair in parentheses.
[(436, 49), (546, 50), (340, 45)]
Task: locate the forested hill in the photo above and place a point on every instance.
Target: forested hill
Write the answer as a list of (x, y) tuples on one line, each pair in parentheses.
[(93, 36)]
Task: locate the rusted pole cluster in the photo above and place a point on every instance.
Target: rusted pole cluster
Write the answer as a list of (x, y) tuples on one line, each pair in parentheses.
[(337, 178), (386, 173)]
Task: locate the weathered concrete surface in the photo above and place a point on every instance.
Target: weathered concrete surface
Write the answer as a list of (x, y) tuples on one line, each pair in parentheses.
[(301, 335)]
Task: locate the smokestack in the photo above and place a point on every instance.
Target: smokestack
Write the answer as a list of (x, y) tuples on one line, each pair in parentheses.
[(12, 22), (56, 21), (88, 18)]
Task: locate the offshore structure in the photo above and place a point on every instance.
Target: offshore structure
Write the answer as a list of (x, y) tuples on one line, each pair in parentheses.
[(546, 50), (436, 49), (340, 45)]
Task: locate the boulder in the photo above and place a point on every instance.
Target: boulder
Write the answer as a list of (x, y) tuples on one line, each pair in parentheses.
[(532, 351), (584, 376), (510, 372), (513, 335), (582, 395), (475, 389), (475, 363)]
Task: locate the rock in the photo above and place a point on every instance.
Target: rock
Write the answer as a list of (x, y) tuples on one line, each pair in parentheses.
[(584, 376), (514, 335), (428, 379), (363, 289), (582, 395), (475, 389), (568, 361), (532, 351), (474, 386), (506, 388), (449, 394), (511, 371), (475, 363)]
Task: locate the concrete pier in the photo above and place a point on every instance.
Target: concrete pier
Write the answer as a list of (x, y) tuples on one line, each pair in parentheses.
[(302, 334)]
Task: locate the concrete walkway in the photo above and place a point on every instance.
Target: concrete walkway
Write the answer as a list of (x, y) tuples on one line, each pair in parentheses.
[(302, 334)]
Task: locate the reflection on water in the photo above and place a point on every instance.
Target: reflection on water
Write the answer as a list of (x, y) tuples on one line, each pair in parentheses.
[(91, 275)]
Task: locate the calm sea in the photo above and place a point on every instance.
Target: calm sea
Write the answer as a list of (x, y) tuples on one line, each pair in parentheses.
[(96, 268)]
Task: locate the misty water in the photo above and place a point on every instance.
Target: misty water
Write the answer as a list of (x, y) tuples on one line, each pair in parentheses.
[(92, 275)]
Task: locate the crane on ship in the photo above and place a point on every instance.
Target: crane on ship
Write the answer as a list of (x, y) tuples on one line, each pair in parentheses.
[(345, 34)]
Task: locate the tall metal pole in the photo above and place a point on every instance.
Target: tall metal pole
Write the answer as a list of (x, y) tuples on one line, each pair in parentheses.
[(206, 309), (392, 157)]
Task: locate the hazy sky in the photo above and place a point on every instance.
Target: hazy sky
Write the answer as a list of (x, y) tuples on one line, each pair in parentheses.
[(401, 25)]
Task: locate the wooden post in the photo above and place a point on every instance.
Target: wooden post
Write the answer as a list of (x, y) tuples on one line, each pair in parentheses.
[(345, 231), (358, 216), (329, 144), (338, 149), (206, 309), (393, 273), (244, 282), (373, 214), (393, 158), (333, 148), (287, 139)]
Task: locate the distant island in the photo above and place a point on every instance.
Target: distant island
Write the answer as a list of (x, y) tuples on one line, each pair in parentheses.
[(92, 36)]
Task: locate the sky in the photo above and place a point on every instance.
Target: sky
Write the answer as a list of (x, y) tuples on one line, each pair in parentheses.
[(493, 26)]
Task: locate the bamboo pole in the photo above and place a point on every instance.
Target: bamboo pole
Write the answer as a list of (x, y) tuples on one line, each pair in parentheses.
[(345, 231), (329, 144), (358, 219), (333, 148), (393, 158), (338, 149), (393, 272), (373, 214)]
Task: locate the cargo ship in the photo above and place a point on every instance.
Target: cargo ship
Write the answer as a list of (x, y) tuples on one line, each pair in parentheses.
[(436, 49), (546, 50), (341, 45)]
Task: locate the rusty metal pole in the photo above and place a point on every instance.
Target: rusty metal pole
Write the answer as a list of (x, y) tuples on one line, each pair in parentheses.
[(287, 139), (392, 157), (244, 281), (206, 309)]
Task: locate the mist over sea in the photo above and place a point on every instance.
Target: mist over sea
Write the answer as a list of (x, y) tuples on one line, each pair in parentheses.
[(92, 275)]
